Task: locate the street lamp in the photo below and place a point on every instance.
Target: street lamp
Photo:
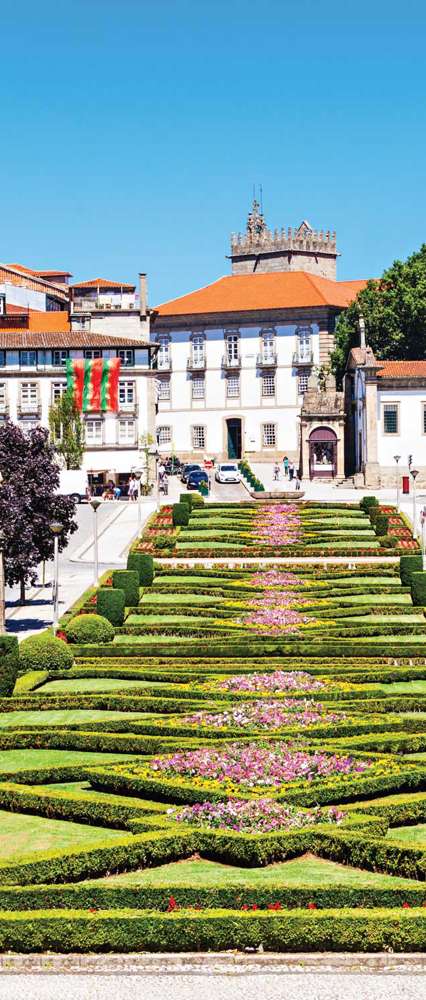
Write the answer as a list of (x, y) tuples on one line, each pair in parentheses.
[(56, 528), (2, 597), (423, 524), (396, 459), (94, 505), (414, 473)]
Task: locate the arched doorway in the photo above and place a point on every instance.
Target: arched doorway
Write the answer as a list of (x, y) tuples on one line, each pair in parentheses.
[(322, 453), (233, 430)]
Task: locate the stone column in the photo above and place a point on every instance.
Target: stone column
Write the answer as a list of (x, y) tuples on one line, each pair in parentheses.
[(372, 469)]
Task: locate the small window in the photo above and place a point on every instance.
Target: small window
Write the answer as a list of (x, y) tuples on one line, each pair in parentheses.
[(197, 350), (197, 387), (232, 348), (302, 382), (2, 359), (127, 357), (390, 418), (28, 359), (268, 345), (163, 354), (93, 431), (29, 395), (269, 435), (163, 388), (268, 385), (126, 432), (233, 386), (199, 436), (164, 435), (90, 355), (126, 392), (59, 358), (424, 418), (58, 389)]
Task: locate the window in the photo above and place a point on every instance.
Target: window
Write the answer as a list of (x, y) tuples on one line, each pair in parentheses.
[(3, 396), (126, 393), (268, 385), (29, 396), (268, 344), (28, 359), (198, 387), (163, 356), (199, 436), (127, 357), (91, 354), (197, 350), (233, 386), (163, 388), (59, 358), (302, 381), (390, 418), (424, 418), (269, 435), (2, 359), (164, 435), (93, 431), (232, 348), (126, 431), (304, 346), (58, 389)]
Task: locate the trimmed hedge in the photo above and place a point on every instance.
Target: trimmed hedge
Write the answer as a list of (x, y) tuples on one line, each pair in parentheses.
[(144, 566), (111, 603), (9, 664), (418, 589), (407, 566), (89, 628), (367, 503), (45, 652), (381, 524), (127, 580), (180, 513)]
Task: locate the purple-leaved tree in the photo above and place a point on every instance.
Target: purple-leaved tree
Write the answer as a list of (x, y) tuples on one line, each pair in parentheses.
[(28, 503)]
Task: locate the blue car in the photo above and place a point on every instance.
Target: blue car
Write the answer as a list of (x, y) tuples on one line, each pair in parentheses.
[(195, 478)]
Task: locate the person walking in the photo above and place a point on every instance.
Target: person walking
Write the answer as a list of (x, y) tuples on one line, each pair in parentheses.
[(291, 471), (132, 490), (285, 464), (297, 480), (276, 472)]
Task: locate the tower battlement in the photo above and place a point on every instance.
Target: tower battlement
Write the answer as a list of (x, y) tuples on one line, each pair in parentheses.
[(262, 249)]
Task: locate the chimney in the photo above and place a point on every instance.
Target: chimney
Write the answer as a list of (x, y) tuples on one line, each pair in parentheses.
[(143, 293)]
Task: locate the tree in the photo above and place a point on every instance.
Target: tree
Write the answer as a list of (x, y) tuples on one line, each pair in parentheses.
[(394, 311), (28, 503), (67, 430), (146, 442)]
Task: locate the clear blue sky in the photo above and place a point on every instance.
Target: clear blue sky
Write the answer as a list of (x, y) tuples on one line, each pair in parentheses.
[(133, 131)]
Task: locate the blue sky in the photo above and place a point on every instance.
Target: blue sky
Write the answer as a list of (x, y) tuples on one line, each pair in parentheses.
[(133, 131)]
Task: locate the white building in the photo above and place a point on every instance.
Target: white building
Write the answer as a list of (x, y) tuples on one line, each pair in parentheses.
[(386, 417)]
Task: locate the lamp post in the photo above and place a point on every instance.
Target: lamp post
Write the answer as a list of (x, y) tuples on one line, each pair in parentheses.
[(95, 504), (414, 473), (2, 597), (423, 524), (56, 528), (396, 459)]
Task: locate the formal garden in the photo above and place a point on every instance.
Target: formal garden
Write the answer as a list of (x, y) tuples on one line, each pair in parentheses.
[(215, 755)]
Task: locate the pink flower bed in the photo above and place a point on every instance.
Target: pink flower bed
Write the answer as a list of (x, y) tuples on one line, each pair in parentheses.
[(266, 715), (274, 612), (279, 680), (256, 765), (276, 578), (278, 524), (261, 816)]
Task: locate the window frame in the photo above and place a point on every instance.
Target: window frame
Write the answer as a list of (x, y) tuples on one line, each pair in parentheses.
[(2, 358), (395, 406), (164, 427), (64, 352), (268, 377), (63, 388), (126, 363), (194, 431), (302, 374), (127, 421), (28, 364), (30, 401), (93, 353), (200, 380), (235, 377), (99, 422), (265, 444), (126, 384), (164, 381)]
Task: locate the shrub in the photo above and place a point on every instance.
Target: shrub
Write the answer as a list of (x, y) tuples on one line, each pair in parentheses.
[(388, 542), (418, 589), (164, 542), (144, 566), (381, 524), (89, 628), (127, 580), (110, 604), (367, 502), (407, 566), (186, 498), (181, 512), (9, 664), (197, 500), (45, 652)]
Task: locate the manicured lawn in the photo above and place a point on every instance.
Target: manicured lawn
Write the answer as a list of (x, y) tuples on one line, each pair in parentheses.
[(413, 836), (58, 717), (25, 760), (184, 599), (91, 684), (22, 836)]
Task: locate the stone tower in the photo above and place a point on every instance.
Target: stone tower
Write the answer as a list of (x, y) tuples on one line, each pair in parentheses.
[(260, 249)]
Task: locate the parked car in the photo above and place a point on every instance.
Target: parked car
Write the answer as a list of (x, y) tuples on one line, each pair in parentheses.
[(227, 472), (196, 477), (173, 466), (191, 467)]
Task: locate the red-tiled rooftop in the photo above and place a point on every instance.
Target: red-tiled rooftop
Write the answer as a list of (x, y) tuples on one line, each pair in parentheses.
[(104, 283), (249, 292), (402, 369), (23, 339)]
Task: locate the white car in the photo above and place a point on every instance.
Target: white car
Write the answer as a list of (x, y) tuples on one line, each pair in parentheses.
[(227, 472)]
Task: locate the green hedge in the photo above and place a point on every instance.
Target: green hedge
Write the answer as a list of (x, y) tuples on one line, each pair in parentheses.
[(144, 566), (111, 604), (45, 652), (418, 589), (9, 664), (381, 524), (180, 513), (89, 628), (127, 580), (407, 566)]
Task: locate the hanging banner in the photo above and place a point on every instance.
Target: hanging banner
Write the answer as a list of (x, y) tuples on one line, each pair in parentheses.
[(94, 383)]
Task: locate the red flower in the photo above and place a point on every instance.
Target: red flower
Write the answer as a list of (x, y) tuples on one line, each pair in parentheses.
[(93, 909), (274, 906), (245, 907), (311, 906), (61, 635), (255, 906), (406, 906), (172, 904)]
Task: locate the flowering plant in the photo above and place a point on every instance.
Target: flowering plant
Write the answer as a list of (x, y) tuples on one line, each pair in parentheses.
[(278, 524), (256, 816), (267, 715), (274, 612), (279, 680)]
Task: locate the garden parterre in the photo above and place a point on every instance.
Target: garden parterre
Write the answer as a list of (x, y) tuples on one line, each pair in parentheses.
[(251, 742)]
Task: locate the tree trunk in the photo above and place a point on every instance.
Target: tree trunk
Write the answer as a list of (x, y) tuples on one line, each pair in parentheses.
[(22, 590)]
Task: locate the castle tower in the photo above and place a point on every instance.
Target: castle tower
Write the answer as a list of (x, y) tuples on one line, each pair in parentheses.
[(260, 249)]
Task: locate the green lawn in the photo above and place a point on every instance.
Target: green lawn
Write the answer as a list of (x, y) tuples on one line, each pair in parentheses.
[(26, 760), (413, 836), (65, 717), (91, 684), (22, 836)]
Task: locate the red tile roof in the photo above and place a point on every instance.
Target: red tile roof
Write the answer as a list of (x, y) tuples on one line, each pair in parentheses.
[(104, 283), (402, 369), (278, 290), (40, 274), (22, 339)]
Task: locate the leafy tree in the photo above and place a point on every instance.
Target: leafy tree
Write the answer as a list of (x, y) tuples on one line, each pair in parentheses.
[(67, 430), (394, 311), (28, 503)]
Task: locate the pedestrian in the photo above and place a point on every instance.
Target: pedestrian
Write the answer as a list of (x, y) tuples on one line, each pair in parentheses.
[(117, 492), (132, 488), (276, 472), (297, 481), (291, 470), (285, 464), (161, 469)]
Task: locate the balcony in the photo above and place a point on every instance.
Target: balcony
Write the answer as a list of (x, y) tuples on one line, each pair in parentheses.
[(303, 356), (164, 364), (231, 363), (29, 409), (196, 363), (267, 359), (128, 408), (97, 305)]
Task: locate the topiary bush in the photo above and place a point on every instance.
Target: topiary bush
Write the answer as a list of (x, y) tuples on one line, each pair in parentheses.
[(164, 542), (9, 664), (45, 652), (180, 512), (388, 542), (89, 628), (407, 566), (186, 498), (367, 502), (144, 566), (127, 580), (197, 500), (418, 589), (381, 524), (110, 603)]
